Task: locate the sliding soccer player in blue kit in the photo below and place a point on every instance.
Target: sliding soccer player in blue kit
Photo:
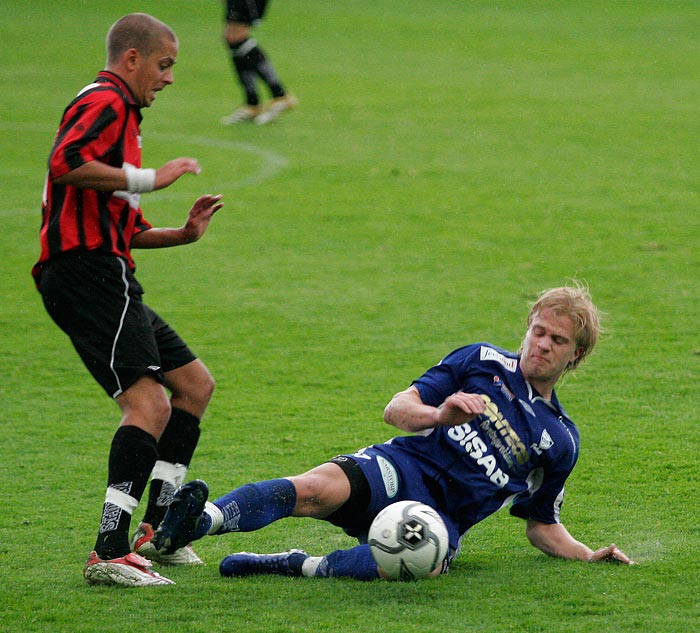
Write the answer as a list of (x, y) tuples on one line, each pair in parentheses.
[(486, 431)]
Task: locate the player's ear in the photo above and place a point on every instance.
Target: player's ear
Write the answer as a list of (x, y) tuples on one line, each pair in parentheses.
[(578, 354), (131, 58)]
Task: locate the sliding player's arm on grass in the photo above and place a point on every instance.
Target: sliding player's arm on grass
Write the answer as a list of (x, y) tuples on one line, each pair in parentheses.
[(554, 539)]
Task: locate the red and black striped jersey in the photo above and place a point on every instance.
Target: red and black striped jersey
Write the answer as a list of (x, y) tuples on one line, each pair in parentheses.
[(101, 123)]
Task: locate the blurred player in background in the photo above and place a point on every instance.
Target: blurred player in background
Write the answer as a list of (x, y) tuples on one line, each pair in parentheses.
[(91, 219), (250, 62), (487, 431)]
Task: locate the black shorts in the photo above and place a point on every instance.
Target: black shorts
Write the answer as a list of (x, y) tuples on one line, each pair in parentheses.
[(96, 301), (352, 515), (245, 11)]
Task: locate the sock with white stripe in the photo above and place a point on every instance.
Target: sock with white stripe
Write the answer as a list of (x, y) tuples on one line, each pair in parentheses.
[(175, 449), (250, 61), (132, 456)]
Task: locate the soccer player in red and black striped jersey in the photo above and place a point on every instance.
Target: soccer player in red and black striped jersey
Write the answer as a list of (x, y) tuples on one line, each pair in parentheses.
[(91, 221)]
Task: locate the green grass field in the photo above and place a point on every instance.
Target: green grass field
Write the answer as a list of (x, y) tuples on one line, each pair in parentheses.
[(448, 161)]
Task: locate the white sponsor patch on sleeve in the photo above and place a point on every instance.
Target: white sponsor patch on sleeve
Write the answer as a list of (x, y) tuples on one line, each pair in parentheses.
[(488, 353), (389, 476)]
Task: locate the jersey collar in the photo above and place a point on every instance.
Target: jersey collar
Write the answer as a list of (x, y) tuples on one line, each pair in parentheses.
[(107, 76), (553, 404)]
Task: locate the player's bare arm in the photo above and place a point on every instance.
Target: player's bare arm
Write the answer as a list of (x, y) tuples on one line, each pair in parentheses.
[(103, 177), (198, 220), (407, 411), (555, 540), (94, 175)]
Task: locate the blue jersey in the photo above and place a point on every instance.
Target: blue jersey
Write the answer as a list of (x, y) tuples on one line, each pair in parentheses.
[(518, 453)]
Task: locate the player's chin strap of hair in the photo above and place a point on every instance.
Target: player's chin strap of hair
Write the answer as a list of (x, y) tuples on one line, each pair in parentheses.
[(139, 180)]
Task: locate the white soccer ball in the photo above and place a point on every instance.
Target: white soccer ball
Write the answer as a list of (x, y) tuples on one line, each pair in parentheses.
[(408, 540)]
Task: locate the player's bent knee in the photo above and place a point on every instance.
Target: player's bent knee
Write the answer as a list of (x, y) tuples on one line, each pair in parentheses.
[(193, 384), (310, 490), (317, 495), (206, 387), (236, 33), (149, 412)]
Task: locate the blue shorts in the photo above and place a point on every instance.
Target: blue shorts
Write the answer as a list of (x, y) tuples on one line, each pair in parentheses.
[(392, 476)]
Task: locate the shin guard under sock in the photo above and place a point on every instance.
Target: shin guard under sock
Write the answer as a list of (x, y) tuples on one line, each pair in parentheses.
[(254, 506), (175, 449)]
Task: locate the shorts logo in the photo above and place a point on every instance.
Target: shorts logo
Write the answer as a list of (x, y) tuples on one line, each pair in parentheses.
[(389, 476), (487, 353)]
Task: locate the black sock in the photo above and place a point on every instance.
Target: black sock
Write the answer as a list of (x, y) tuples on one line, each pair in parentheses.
[(245, 70), (131, 458), (175, 447), (250, 60)]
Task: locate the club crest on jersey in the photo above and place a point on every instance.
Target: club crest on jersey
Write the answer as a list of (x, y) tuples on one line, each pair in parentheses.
[(546, 442), (488, 353)]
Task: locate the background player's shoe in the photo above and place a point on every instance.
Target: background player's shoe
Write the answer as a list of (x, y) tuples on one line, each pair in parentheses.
[(131, 570), (242, 114), (141, 544), (247, 564), (276, 107), (179, 525)]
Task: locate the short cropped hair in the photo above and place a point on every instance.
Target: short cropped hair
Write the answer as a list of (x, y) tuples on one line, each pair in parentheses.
[(136, 30), (574, 302)]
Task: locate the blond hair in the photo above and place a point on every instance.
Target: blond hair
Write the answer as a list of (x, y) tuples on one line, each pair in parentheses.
[(574, 302)]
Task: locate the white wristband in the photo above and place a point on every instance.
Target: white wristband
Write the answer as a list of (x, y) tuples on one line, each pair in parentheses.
[(139, 180)]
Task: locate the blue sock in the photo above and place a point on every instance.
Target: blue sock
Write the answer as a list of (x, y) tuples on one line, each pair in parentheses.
[(254, 506), (357, 563)]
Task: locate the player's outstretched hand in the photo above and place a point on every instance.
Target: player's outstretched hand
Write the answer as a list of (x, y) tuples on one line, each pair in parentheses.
[(200, 215), (610, 554), (172, 170)]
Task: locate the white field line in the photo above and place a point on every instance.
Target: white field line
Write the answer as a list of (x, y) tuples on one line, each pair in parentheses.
[(270, 163)]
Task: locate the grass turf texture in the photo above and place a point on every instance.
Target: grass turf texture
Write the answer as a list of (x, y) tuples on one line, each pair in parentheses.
[(448, 160)]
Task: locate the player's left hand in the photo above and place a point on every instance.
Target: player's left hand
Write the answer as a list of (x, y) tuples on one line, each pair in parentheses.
[(610, 554), (200, 215)]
